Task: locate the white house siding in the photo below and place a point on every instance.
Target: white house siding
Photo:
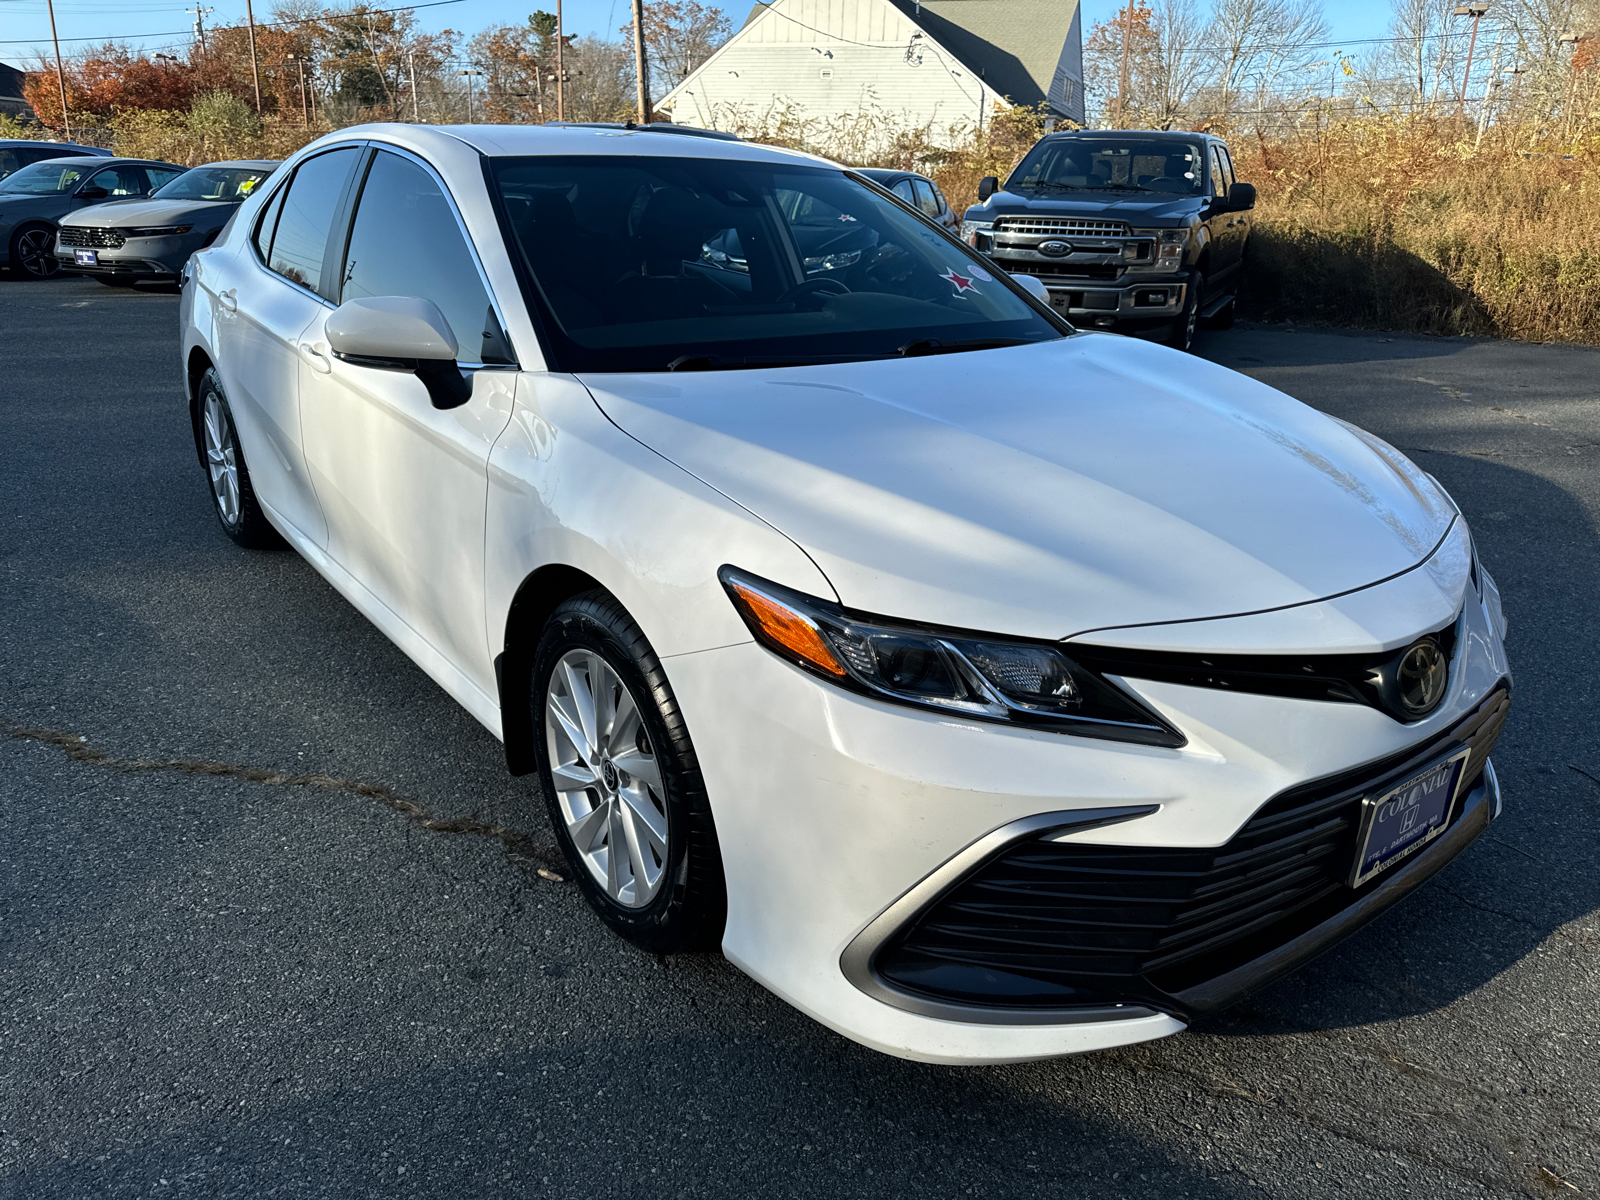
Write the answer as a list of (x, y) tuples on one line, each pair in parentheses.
[(833, 59)]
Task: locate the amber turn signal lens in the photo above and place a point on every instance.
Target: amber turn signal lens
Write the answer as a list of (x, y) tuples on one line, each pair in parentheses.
[(784, 628)]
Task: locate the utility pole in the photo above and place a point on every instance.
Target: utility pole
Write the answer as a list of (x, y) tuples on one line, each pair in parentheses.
[(469, 75), (561, 74), (411, 61), (255, 73), (1122, 80), (1489, 91), (1570, 41), (305, 113), (61, 75), (639, 64), (199, 26), (1475, 11)]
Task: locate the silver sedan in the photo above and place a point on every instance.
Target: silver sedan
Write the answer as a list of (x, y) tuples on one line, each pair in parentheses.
[(151, 239)]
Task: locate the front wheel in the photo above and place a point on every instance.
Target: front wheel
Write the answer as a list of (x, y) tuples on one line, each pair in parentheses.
[(1181, 336), (232, 495), (622, 782), (33, 252)]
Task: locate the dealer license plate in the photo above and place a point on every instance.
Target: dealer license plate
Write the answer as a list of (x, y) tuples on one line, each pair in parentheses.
[(86, 258), (1403, 820)]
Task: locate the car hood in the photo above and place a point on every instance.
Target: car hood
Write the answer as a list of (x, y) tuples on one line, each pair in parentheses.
[(1137, 208), (1047, 490), (123, 214)]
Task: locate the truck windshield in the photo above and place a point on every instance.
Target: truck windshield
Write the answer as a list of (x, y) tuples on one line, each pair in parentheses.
[(648, 264), (1134, 164)]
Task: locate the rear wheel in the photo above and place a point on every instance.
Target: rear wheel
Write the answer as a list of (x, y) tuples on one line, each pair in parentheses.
[(622, 782), (33, 252), (232, 496)]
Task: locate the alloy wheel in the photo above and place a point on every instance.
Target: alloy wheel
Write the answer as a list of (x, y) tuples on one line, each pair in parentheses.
[(221, 464), (606, 776), (35, 254)]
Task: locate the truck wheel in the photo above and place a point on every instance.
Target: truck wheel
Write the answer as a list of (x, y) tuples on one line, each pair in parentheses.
[(1181, 336)]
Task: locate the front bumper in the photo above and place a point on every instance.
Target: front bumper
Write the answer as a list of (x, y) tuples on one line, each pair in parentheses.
[(832, 810), (140, 258)]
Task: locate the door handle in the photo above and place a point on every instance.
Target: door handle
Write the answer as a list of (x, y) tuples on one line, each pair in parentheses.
[(226, 299), (317, 359)]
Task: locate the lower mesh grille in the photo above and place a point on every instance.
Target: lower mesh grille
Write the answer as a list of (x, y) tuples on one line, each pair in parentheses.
[(1046, 924)]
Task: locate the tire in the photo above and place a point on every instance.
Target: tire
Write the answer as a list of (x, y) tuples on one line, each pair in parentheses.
[(632, 781), (1181, 335), (233, 498), (33, 252)]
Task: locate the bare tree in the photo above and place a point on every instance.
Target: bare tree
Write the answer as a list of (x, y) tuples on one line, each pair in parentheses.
[(1258, 51)]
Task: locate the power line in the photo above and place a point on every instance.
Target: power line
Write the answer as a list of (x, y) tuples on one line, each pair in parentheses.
[(121, 37)]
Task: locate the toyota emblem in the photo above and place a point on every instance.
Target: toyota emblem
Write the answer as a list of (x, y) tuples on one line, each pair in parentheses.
[(1055, 248), (1421, 677)]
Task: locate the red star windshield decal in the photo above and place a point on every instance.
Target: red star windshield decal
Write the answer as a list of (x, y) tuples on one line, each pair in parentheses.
[(962, 283)]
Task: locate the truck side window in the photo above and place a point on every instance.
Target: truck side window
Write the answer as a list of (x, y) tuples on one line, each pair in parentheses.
[(1219, 185), (1227, 165)]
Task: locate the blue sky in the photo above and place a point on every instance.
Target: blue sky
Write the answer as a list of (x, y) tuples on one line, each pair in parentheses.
[(25, 28)]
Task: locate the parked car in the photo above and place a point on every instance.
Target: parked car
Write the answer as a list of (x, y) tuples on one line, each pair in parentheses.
[(916, 190), (986, 689), (121, 244), (1134, 231), (16, 153), (34, 199)]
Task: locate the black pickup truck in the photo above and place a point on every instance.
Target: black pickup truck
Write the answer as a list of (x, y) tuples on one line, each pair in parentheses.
[(1128, 230)]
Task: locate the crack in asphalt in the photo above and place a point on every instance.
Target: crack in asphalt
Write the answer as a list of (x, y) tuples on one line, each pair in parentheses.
[(518, 846)]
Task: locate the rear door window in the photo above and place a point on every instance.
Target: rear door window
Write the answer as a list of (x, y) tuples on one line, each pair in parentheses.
[(300, 239), (903, 190), (161, 176), (406, 241), (9, 162)]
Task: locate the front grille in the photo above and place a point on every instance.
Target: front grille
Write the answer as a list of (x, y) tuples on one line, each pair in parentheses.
[(88, 237), (1050, 924), (1049, 271), (1080, 226)]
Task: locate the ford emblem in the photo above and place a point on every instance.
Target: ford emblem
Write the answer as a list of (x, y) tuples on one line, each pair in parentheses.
[(1055, 248)]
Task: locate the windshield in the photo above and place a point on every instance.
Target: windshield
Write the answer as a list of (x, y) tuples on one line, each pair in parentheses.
[(1134, 164), (650, 264), (232, 184), (46, 178)]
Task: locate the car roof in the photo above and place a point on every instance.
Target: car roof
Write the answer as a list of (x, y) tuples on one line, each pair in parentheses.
[(886, 175), (242, 163), (1162, 135), (495, 141), (78, 151), (115, 162)]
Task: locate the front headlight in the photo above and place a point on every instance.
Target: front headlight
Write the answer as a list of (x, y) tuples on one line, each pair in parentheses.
[(971, 229), (1170, 248), (159, 230), (831, 262), (970, 675)]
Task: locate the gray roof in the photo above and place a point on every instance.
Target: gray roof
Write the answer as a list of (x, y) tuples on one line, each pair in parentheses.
[(1015, 46)]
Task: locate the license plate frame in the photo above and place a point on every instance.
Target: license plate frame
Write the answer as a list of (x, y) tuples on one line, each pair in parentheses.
[(85, 258), (1406, 822)]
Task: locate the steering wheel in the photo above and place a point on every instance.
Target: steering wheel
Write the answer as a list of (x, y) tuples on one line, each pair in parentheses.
[(814, 287)]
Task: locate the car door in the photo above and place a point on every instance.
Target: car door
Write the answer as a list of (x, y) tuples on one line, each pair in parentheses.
[(265, 297), (1226, 243), (1240, 229), (403, 484)]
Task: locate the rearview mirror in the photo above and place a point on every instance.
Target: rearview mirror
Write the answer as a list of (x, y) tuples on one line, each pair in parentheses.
[(1031, 285), (92, 193), (401, 333), (1241, 197), (987, 186)]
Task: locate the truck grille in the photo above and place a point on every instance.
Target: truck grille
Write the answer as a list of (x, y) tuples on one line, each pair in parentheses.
[(88, 237), (1079, 226), (1047, 923), (1061, 270)]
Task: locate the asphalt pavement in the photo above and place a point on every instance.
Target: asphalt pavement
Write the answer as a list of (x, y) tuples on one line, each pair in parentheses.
[(273, 923)]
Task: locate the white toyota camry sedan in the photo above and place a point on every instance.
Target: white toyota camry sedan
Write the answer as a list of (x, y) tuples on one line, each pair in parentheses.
[(986, 689)]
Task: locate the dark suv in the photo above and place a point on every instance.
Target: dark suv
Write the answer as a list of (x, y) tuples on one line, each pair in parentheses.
[(16, 153), (1128, 230)]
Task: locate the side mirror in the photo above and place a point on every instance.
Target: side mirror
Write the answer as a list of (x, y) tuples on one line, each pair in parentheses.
[(987, 186), (1241, 197), (1031, 285), (92, 193), (401, 333)]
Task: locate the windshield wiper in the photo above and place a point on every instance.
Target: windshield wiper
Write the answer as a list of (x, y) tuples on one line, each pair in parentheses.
[(923, 346), (721, 362)]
